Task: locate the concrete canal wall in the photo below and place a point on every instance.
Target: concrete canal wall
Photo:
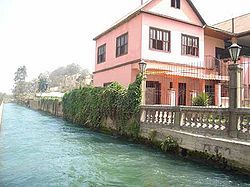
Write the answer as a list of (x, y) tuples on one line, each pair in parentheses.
[(53, 107), (220, 132), (234, 151), (1, 113), (203, 136)]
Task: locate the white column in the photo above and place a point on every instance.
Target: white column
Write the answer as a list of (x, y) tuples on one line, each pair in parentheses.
[(193, 94), (172, 98), (218, 94)]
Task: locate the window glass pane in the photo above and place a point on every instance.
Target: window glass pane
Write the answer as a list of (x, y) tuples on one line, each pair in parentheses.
[(184, 40), (159, 45), (151, 33), (151, 43), (164, 46), (164, 36), (182, 49), (126, 39), (126, 48), (122, 41), (154, 44), (118, 42), (172, 3), (189, 41), (118, 51), (178, 4)]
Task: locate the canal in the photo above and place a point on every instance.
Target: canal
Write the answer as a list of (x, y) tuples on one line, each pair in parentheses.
[(40, 150)]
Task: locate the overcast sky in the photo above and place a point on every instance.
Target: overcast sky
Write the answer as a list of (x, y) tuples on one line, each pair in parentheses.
[(46, 34)]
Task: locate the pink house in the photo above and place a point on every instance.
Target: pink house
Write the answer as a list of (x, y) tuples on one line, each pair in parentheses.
[(182, 53)]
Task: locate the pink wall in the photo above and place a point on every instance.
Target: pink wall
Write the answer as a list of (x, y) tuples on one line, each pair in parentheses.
[(122, 75), (138, 41), (133, 27), (185, 13), (176, 28), (210, 45)]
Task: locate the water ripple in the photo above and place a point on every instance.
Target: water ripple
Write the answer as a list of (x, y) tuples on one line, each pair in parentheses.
[(39, 150)]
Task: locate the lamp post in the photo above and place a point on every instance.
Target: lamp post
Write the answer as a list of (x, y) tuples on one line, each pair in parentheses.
[(234, 51), (142, 68), (235, 72)]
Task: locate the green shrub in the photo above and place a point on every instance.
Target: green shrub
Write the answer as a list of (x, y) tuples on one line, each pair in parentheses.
[(169, 144), (203, 99), (90, 106)]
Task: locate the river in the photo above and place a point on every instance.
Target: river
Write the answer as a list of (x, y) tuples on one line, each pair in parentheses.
[(40, 150)]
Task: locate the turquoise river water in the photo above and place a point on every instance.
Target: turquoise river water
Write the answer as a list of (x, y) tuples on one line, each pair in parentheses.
[(40, 150)]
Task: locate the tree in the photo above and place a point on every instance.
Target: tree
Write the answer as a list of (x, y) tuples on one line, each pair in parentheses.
[(20, 74), (20, 85), (31, 86), (43, 82), (57, 76), (2, 96)]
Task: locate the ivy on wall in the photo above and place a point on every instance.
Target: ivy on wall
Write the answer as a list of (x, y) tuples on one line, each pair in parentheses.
[(90, 106)]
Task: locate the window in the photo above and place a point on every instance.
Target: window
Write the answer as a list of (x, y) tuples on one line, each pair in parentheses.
[(189, 45), (171, 85), (153, 92), (122, 45), (176, 4), (101, 56), (159, 39), (210, 90)]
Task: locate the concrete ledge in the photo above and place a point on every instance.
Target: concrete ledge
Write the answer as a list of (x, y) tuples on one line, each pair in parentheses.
[(236, 152), (1, 113)]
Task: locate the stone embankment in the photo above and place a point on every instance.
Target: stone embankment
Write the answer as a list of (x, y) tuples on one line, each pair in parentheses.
[(215, 132), (53, 107), (1, 112)]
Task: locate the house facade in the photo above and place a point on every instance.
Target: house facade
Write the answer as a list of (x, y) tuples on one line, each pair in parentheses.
[(182, 53)]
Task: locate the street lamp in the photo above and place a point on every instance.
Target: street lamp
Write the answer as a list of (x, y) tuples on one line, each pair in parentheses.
[(234, 51), (142, 66), (235, 79)]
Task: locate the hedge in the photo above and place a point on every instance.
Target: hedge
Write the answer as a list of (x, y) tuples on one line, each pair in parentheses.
[(90, 106)]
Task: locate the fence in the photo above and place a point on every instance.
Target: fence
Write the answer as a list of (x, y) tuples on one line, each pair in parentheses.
[(214, 121)]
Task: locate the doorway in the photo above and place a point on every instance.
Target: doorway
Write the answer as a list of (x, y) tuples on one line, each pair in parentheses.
[(182, 93), (153, 92)]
